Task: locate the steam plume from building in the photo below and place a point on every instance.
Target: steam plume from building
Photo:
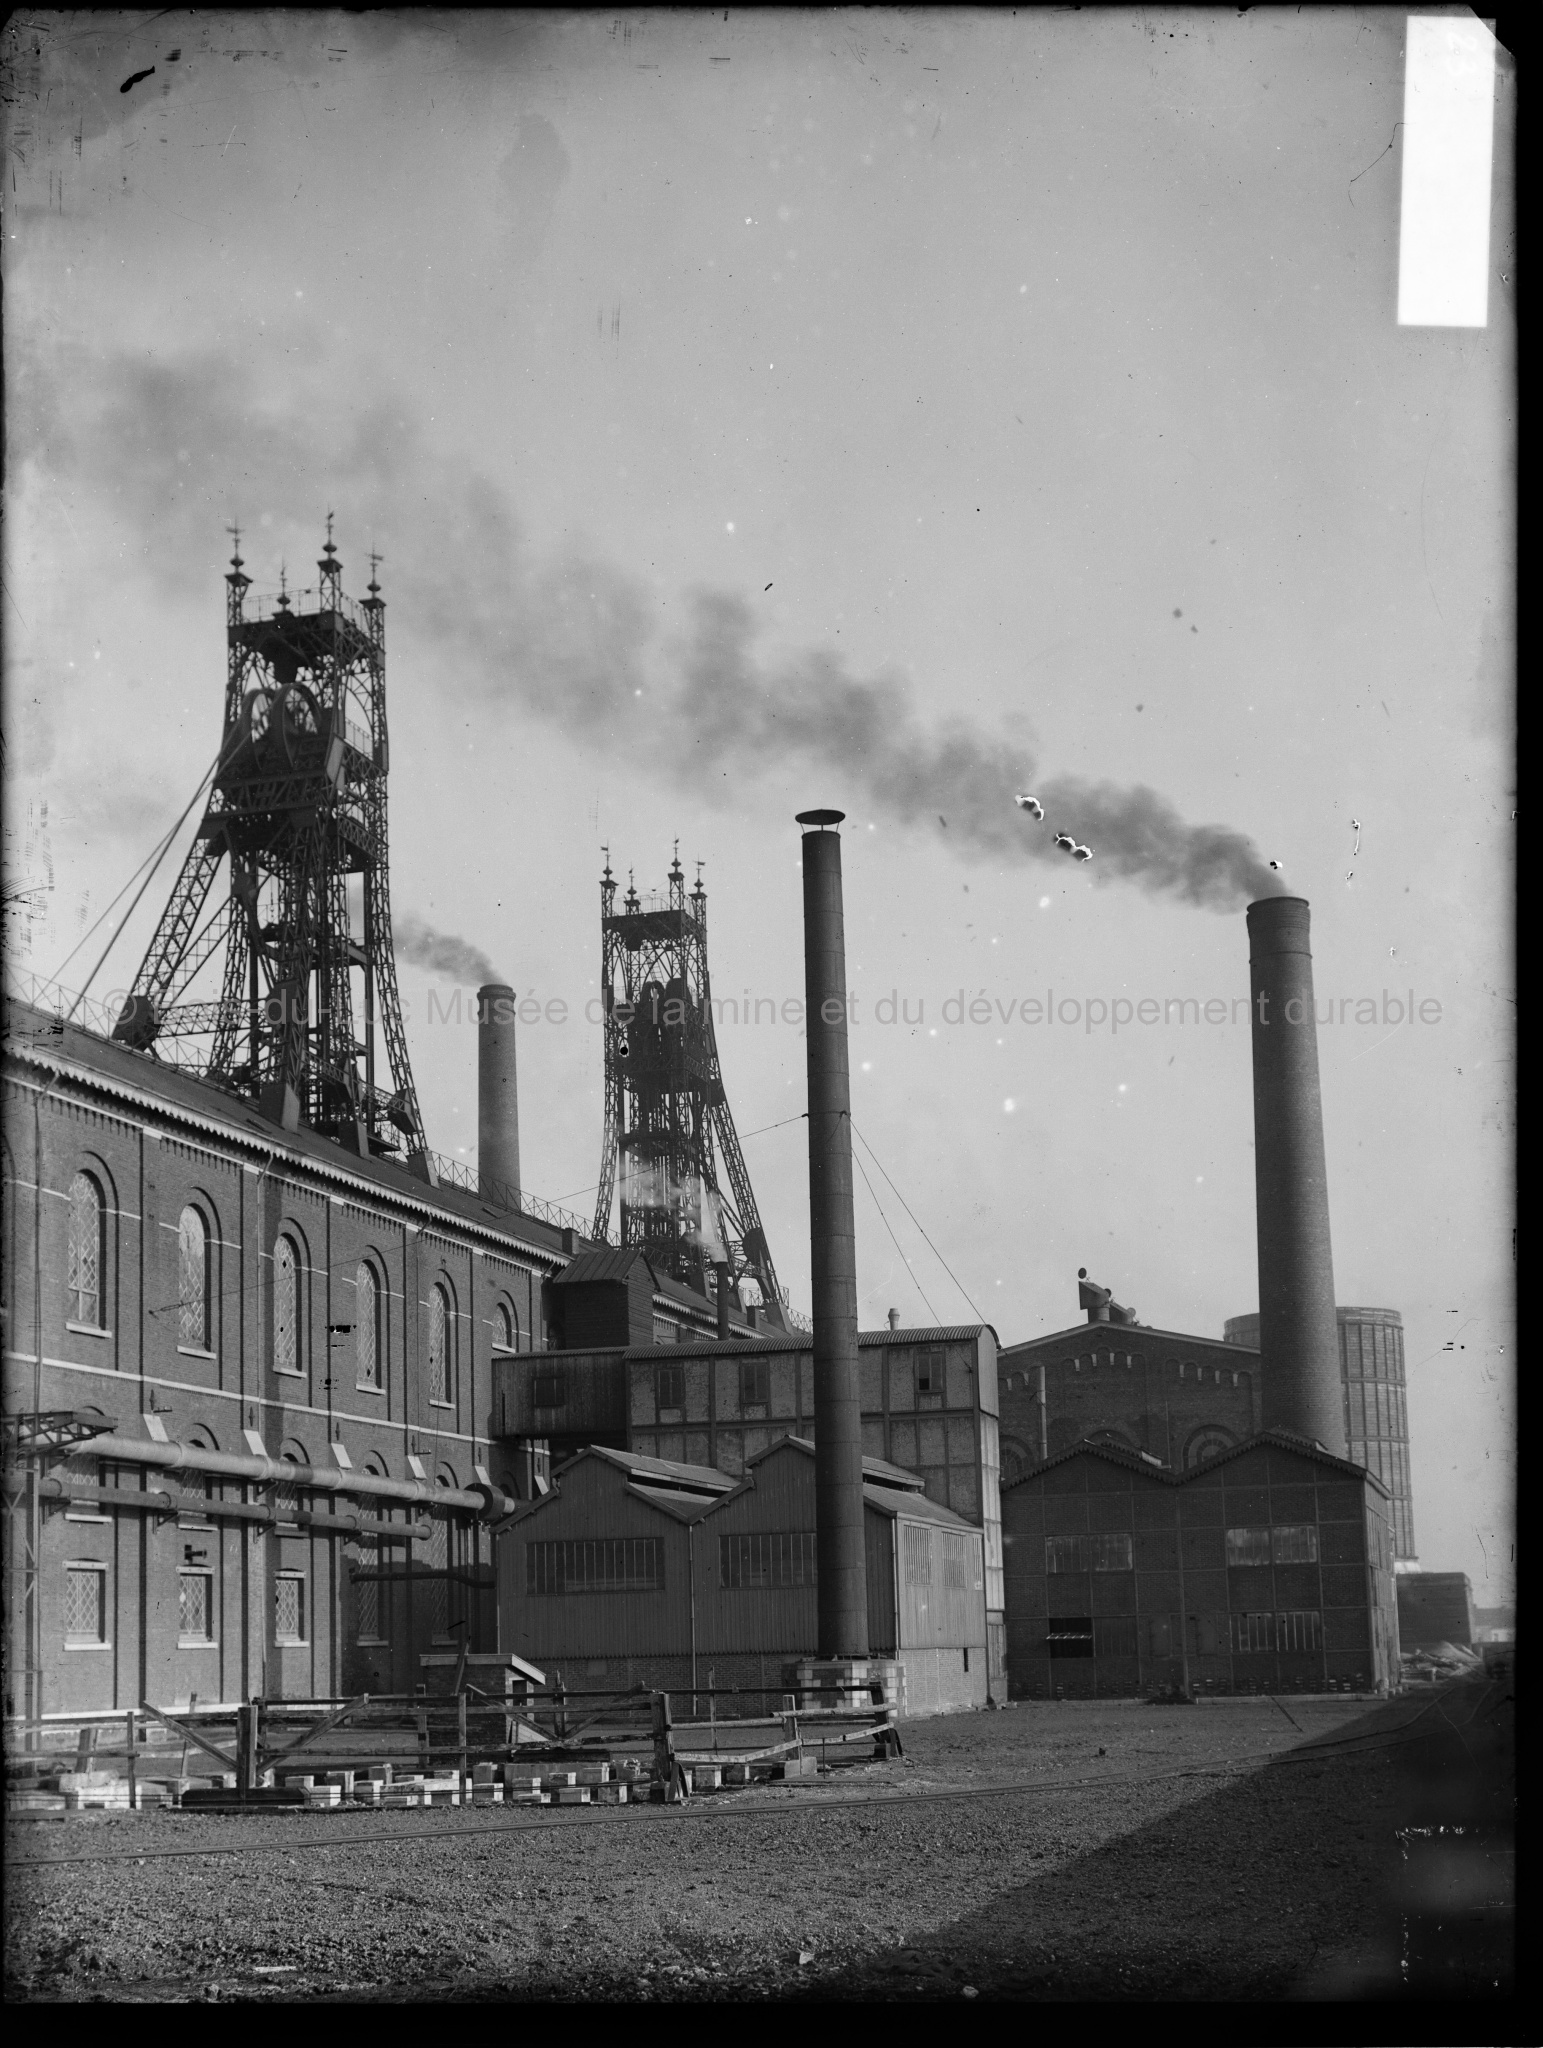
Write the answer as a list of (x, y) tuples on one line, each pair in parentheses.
[(572, 638), (415, 939)]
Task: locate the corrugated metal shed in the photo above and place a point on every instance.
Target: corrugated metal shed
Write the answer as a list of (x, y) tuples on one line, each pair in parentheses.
[(704, 1479)]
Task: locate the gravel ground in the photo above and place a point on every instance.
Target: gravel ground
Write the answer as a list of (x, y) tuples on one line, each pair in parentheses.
[(1083, 1851)]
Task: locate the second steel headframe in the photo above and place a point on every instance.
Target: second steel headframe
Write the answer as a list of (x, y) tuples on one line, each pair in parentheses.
[(667, 1118), (296, 813)]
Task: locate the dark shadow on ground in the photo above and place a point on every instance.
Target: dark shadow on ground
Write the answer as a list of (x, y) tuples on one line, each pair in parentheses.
[(1373, 1864)]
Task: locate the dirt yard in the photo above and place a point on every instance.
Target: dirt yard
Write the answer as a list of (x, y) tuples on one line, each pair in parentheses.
[(1240, 1850)]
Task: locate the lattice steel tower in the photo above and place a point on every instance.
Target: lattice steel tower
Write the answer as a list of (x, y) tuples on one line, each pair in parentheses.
[(667, 1119), (302, 939)]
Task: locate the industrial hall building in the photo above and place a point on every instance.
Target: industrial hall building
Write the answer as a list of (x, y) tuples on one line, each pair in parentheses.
[(1267, 1568), (928, 1401), (1183, 1398), (640, 1571)]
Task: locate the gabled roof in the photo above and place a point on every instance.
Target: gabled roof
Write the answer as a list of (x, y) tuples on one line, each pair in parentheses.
[(686, 1507), (889, 1488), (878, 1470), (36, 1040), (683, 1491), (915, 1507), (1137, 1461), (606, 1262), (770, 1340), (1109, 1335), (661, 1471)]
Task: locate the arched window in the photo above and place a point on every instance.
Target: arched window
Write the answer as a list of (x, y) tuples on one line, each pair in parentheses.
[(1206, 1443), (367, 1344), (505, 1329), (193, 1243), (86, 1248), (286, 1307), (439, 1343)]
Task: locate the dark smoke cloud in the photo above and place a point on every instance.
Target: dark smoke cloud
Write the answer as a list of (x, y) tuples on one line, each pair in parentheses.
[(177, 449), (415, 939)]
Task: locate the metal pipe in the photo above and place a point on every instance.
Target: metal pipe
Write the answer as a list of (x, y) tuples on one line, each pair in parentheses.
[(842, 1573), (498, 1097), (1298, 1328), (126, 1450), (54, 1488), (724, 1298)]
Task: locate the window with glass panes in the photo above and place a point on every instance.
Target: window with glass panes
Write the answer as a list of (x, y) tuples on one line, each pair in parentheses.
[(367, 1345), (286, 1307), (193, 1264), (439, 1345), (367, 1591), (85, 1264), (195, 1606), (85, 1604), (766, 1559), (289, 1608)]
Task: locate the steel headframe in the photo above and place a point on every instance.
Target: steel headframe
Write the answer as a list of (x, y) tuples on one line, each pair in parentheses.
[(297, 811), (667, 1117)]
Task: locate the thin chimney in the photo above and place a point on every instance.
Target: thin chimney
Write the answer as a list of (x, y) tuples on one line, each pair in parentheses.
[(498, 1097), (842, 1573), (1298, 1330)]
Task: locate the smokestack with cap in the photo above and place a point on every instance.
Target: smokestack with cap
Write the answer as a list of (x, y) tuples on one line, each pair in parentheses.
[(498, 1099), (1298, 1329), (842, 1573)]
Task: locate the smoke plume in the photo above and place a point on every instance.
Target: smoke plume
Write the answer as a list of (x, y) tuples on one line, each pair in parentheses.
[(414, 939), (176, 450)]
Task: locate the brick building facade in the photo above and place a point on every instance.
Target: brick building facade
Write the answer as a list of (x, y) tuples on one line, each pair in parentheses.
[(1178, 1398), (283, 1353)]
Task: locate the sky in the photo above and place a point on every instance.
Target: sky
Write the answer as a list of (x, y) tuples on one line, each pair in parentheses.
[(887, 410)]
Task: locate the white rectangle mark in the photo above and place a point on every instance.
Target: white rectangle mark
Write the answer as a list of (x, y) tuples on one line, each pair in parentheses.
[(1443, 236)]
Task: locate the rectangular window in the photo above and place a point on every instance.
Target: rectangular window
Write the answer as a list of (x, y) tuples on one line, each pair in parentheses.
[(195, 1607), (1252, 1632), (85, 1604), (1295, 1543), (918, 1555), (929, 1372), (1109, 1551), (754, 1383), (1248, 1546), (1069, 1635), (367, 1592), (289, 1608), (957, 1576), (1299, 1631), (548, 1391), (671, 1387), (619, 1564), (764, 1562)]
